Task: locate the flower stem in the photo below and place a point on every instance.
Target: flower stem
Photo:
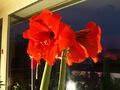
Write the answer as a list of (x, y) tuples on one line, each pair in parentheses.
[(33, 72), (46, 77), (62, 75)]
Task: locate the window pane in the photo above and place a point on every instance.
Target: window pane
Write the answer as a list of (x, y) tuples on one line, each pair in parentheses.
[(84, 76), (19, 66)]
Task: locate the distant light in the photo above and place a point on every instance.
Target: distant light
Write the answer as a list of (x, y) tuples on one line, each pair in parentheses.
[(71, 85)]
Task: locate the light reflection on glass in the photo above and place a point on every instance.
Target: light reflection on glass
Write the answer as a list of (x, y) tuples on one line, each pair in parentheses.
[(71, 85)]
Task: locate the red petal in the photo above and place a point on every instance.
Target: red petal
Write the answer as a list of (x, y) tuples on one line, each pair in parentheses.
[(35, 50), (25, 34), (38, 26), (51, 52), (45, 16), (54, 24), (47, 19), (76, 54), (99, 40), (66, 38)]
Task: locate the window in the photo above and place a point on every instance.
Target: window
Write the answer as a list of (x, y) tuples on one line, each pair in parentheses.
[(85, 76)]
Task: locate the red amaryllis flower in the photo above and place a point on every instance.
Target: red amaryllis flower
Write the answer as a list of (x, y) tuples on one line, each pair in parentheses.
[(41, 34), (47, 36), (90, 39), (87, 44)]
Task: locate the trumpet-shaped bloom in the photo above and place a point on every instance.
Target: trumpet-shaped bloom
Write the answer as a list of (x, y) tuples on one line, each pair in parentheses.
[(90, 39), (87, 44)]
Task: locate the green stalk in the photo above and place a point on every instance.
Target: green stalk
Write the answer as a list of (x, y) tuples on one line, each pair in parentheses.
[(62, 75), (46, 77)]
